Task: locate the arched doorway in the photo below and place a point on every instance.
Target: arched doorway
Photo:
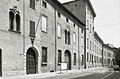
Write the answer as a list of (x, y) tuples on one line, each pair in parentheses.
[(32, 61), (68, 58)]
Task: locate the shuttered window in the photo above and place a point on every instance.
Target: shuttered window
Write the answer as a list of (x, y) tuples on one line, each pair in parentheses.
[(32, 28), (32, 4), (44, 23), (44, 55)]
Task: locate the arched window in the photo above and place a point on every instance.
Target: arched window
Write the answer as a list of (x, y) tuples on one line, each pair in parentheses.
[(14, 21), (11, 20), (69, 37), (17, 22), (66, 37)]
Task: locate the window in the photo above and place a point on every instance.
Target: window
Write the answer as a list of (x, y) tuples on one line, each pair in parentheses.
[(18, 22), (11, 19), (32, 4), (87, 43), (82, 59), (75, 59), (32, 28), (59, 30), (90, 28), (44, 55), (59, 15), (90, 57), (67, 20), (44, 23), (59, 57), (74, 25), (90, 45), (87, 24), (44, 4), (67, 37), (87, 57), (74, 37), (14, 21)]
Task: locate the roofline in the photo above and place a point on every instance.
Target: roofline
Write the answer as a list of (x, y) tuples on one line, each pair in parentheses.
[(65, 10), (92, 7), (108, 46), (96, 35), (88, 2)]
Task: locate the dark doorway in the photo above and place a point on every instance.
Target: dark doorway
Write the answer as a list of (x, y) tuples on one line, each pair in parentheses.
[(0, 62), (31, 61), (68, 58)]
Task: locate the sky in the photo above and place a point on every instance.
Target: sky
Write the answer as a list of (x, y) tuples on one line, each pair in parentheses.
[(107, 21)]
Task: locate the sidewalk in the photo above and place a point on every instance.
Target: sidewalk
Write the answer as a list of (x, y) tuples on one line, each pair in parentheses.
[(83, 72)]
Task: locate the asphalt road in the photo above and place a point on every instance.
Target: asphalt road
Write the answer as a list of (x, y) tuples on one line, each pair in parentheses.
[(114, 75), (107, 75)]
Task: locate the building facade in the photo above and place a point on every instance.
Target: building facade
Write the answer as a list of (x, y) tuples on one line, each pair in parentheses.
[(84, 11), (37, 35), (98, 47), (108, 55)]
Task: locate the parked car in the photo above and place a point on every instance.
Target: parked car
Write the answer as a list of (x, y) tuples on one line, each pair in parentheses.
[(116, 68)]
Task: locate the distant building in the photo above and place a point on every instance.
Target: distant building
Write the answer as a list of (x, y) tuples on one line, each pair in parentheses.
[(83, 9), (98, 47), (108, 55)]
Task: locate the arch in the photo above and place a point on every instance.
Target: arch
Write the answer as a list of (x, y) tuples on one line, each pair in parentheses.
[(17, 22), (31, 61), (68, 58), (11, 20), (36, 49)]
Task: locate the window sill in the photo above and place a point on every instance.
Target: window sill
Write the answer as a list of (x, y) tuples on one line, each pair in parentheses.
[(31, 35), (59, 64), (44, 32), (43, 64), (14, 31), (59, 37)]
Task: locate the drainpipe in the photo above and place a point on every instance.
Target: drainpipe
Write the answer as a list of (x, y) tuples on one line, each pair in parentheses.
[(78, 50), (55, 38), (85, 48), (24, 29)]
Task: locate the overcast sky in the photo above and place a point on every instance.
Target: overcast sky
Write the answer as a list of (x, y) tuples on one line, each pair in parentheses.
[(107, 21)]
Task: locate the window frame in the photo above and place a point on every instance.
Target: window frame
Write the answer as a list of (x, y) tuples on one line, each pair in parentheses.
[(74, 37), (43, 60), (31, 27), (75, 59), (59, 30), (59, 56), (44, 4), (46, 23), (32, 5)]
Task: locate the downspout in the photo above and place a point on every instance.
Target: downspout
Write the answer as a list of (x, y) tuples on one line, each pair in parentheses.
[(102, 57), (55, 38), (85, 48), (24, 29), (78, 50)]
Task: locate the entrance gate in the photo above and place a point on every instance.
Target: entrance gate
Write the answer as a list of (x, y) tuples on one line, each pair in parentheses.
[(68, 59), (31, 61)]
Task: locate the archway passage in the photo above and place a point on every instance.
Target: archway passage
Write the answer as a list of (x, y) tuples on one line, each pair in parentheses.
[(68, 59), (32, 61)]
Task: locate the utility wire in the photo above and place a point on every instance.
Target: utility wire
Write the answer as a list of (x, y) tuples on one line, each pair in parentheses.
[(113, 25), (107, 25)]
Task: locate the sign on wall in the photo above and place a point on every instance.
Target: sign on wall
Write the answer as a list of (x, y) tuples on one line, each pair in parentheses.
[(63, 66)]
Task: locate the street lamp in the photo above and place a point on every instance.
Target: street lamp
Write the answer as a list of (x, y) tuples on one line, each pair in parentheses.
[(32, 40)]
